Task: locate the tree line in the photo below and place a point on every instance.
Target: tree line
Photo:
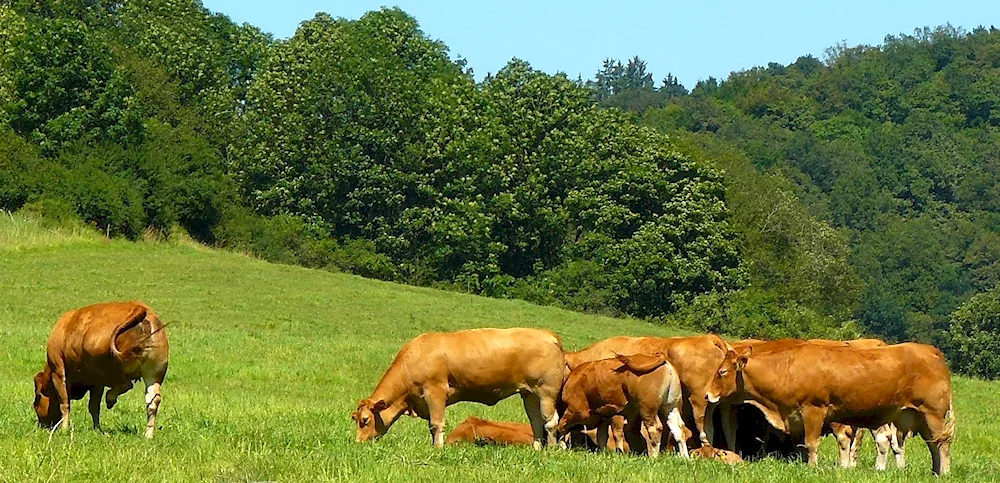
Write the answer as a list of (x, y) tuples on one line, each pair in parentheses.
[(892, 151), (820, 199)]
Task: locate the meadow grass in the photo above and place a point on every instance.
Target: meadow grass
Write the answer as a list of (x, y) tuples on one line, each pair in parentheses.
[(268, 361)]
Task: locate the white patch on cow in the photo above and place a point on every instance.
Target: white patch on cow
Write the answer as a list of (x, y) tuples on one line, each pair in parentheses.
[(150, 394)]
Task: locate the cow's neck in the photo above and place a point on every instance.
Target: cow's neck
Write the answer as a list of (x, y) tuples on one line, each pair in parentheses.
[(393, 388), (758, 388)]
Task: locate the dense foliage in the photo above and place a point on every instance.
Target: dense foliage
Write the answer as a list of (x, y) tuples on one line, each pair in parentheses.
[(354, 145), (893, 146), (972, 336), (819, 199)]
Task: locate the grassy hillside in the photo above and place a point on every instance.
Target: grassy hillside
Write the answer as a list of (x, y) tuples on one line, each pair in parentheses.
[(268, 361)]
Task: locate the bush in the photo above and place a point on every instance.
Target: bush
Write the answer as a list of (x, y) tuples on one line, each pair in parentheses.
[(53, 212), (360, 258), (972, 342), (754, 313)]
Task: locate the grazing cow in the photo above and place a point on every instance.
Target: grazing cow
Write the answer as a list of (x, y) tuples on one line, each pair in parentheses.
[(694, 358), (709, 453), (437, 369), (640, 387), (104, 345), (848, 438), (804, 386), (483, 431)]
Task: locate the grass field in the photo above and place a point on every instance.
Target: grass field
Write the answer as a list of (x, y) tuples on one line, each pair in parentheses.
[(268, 361)]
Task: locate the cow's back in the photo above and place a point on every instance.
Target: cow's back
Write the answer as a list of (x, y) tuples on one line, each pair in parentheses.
[(853, 380), (81, 340), (485, 357)]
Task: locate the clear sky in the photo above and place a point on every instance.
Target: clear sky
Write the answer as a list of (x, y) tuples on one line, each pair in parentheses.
[(691, 39)]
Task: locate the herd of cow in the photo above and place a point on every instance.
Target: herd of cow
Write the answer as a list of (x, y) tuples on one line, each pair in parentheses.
[(618, 393), (767, 396)]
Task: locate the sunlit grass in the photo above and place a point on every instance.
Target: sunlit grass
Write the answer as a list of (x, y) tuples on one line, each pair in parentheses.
[(268, 361), (23, 230)]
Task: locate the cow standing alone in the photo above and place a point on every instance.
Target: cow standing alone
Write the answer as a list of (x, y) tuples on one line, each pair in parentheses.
[(98, 346), (435, 370)]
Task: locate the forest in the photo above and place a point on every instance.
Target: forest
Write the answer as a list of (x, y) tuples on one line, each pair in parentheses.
[(857, 194)]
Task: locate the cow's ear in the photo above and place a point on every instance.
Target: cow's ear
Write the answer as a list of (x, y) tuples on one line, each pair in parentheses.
[(380, 405), (608, 410), (39, 382), (741, 360)]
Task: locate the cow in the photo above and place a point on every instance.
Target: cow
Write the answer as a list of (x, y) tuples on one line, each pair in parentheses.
[(709, 453), (483, 431), (640, 387), (695, 359), (848, 438), (804, 386), (437, 369), (97, 346)]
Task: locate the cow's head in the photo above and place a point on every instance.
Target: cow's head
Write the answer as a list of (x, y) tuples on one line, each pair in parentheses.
[(46, 401), (724, 383), (368, 417)]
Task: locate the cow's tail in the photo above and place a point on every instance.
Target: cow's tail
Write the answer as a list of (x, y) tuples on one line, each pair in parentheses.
[(948, 434), (136, 317), (631, 364)]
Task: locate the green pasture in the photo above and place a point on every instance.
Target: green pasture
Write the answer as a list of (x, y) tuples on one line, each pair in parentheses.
[(268, 361)]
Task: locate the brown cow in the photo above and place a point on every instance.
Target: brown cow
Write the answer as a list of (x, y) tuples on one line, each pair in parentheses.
[(848, 438), (640, 387), (802, 387), (437, 369), (483, 431), (694, 358), (710, 453), (98, 346)]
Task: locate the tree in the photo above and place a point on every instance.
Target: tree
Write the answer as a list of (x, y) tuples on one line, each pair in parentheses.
[(68, 87), (972, 343)]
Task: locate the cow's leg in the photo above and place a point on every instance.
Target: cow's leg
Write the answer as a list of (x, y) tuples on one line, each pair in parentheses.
[(153, 398), (882, 443), (603, 428), (703, 419), (676, 426), (812, 420), (547, 404), (59, 381), (896, 441), (111, 398), (729, 424), (618, 432), (533, 408), (654, 431), (938, 437), (436, 401), (842, 433), (96, 393), (856, 441)]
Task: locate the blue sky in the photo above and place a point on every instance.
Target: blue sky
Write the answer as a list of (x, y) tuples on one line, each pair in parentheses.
[(691, 39)]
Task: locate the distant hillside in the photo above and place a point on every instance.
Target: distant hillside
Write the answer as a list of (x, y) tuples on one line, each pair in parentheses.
[(897, 146)]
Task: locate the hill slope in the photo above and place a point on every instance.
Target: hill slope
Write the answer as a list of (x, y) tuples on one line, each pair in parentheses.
[(268, 361)]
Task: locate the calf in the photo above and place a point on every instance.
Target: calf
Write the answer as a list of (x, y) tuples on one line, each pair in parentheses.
[(693, 358), (435, 370), (104, 345), (639, 387), (482, 431), (709, 453)]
